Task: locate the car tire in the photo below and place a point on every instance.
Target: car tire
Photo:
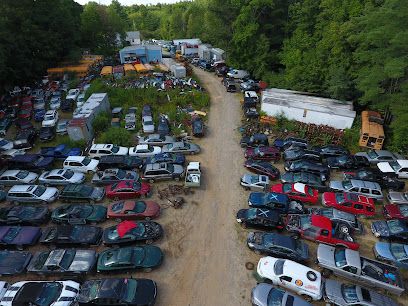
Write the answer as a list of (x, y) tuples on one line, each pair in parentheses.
[(149, 241), (295, 236), (307, 298), (192, 153), (148, 218), (151, 181), (257, 252), (147, 270), (177, 178)]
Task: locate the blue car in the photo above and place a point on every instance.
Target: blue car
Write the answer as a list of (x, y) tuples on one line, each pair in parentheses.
[(61, 151), (39, 115), (393, 253), (275, 201)]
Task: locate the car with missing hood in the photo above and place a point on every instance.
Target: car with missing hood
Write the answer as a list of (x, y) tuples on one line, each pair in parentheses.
[(306, 282), (44, 293), (119, 291), (278, 245), (63, 261), (342, 294), (266, 295), (127, 232), (392, 253), (71, 235), (392, 230), (254, 182), (13, 262)]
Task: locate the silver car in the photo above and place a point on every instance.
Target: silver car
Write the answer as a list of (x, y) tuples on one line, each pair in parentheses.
[(377, 156), (5, 144), (110, 176), (62, 127), (182, 147), (148, 124), (61, 177), (156, 140), (17, 177), (265, 295), (254, 182), (349, 294), (395, 197), (162, 171)]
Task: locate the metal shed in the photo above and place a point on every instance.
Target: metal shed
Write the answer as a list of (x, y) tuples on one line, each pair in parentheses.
[(141, 53), (307, 108)]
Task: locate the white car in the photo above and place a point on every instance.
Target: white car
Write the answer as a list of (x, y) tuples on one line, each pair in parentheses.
[(5, 144), (13, 177), (148, 124), (98, 150), (254, 182), (81, 164), (291, 275), (61, 177), (55, 103), (144, 150), (398, 167), (73, 94), (50, 293), (50, 118)]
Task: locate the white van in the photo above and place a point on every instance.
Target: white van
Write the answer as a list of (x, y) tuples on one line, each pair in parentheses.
[(238, 74)]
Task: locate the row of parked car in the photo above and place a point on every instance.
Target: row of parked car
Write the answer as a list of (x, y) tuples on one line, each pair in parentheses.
[(293, 206)]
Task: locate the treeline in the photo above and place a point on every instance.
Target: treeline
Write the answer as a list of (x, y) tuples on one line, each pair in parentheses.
[(346, 49)]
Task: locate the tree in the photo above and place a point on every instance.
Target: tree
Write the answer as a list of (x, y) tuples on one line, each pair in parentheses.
[(118, 136), (101, 122)]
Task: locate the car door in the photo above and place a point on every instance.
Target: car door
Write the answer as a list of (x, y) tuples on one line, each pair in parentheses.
[(124, 193)]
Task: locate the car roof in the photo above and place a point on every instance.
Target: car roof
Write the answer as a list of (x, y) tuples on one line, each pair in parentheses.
[(75, 158), (50, 112), (101, 146), (384, 153), (156, 166), (57, 171), (22, 188), (403, 163), (142, 147), (367, 184)]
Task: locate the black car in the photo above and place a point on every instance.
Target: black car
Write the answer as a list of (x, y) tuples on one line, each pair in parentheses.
[(251, 112), (118, 291), (393, 230), (25, 139), (301, 153), (124, 162), (172, 158), (290, 142), (309, 166), (197, 127), (254, 140), (221, 71), (147, 110), (75, 193), (132, 231), (262, 167), (79, 214), (347, 162), (34, 162), (163, 127), (13, 262), (311, 179), (332, 150), (24, 124), (375, 175), (47, 133), (67, 105), (5, 124), (278, 245), (72, 235), (24, 214), (260, 217)]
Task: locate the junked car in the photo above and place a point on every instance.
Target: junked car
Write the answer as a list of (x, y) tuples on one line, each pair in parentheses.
[(127, 189), (114, 175), (366, 188), (79, 214), (86, 193), (17, 177), (32, 194), (262, 167), (392, 253), (133, 210), (397, 167), (13, 262), (297, 192), (144, 150), (338, 217), (27, 214), (181, 147), (83, 235), (392, 230), (162, 171), (254, 182), (266, 294), (397, 197), (132, 231), (156, 140), (260, 217), (58, 177), (377, 156), (313, 180), (19, 236)]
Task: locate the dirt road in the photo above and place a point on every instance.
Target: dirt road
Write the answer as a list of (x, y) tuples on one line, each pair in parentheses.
[(206, 264)]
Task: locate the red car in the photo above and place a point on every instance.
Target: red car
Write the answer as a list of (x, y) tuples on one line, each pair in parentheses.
[(349, 202), (131, 210), (127, 190), (26, 103), (395, 211), (263, 153), (297, 191)]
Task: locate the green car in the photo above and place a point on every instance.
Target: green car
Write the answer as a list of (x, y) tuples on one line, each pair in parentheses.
[(79, 214), (138, 257)]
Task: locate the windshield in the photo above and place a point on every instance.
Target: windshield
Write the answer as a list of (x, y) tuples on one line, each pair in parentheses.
[(398, 251), (49, 117), (115, 149), (22, 174), (305, 222), (349, 293), (251, 213), (404, 210), (347, 185), (340, 258), (275, 297), (287, 188), (39, 191), (278, 266), (129, 291), (121, 174), (169, 146), (3, 142), (395, 165), (67, 259), (395, 226), (372, 154), (68, 174), (340, 197), (86, 161), (48, 295)]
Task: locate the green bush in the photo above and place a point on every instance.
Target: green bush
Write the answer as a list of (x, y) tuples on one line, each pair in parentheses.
[(101, 123), (117, 136)]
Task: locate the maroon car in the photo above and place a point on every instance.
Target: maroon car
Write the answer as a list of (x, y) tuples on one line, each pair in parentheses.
[(263, 153), (395, 211), (19, 236), (262, 167)]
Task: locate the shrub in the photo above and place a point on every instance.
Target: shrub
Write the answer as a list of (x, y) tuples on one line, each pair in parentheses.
[(101, 122), (117, 136)]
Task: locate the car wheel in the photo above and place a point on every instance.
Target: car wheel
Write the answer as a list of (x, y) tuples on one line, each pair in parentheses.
[(192, 153), (177, 178), (149, 241), (258, 252), (151, 181), (148, 218), (147, 269), (307, 298)]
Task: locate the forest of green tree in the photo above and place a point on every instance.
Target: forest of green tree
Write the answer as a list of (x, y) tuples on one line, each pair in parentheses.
[(347, 49)]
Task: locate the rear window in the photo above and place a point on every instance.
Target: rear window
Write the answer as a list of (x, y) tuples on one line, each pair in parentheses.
[(278, 266)]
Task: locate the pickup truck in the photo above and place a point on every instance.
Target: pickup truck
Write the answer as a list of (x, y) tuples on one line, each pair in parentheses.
[(60, 152), (349, 264), (321, 229)]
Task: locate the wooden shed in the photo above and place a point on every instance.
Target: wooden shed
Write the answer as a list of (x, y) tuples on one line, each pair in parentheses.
[(372, 130)]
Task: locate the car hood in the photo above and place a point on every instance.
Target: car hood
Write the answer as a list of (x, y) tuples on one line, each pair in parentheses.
[(337, 185), (260, 294), (380, 227), (329, 198), (385, 167), (383, 250), (247, 179), (396, 196), (333, 292), (98, 193), (78, 177), (178, 169), (256, 198), (393, 211)]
